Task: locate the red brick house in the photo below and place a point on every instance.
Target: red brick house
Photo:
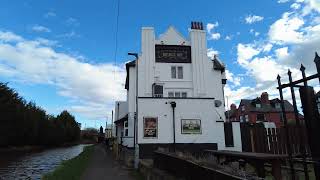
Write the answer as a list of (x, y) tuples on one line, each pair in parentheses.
[(261, 109)]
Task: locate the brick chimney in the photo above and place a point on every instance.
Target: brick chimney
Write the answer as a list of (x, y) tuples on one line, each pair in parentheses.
[(265, 98), (233, 107)]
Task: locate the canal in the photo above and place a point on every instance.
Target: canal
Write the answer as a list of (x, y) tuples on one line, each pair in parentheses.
[(34, 165)]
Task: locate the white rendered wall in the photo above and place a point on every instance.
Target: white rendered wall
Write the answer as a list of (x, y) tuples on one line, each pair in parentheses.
[(202, 109), (236, 137), (121, 111)]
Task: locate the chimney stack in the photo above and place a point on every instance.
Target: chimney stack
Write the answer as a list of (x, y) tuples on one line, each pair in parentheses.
[(233, 107), (265, 98)]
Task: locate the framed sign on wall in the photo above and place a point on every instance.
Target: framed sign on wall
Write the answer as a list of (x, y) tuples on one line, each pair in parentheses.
[(191, 126), (150, 127), (173, 54)]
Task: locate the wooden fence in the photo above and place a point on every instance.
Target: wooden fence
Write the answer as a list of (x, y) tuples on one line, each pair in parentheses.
[(256, 138)]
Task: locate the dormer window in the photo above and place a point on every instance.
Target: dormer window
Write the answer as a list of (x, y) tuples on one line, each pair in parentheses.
[(258, 105), (157, 90), (277, 105)]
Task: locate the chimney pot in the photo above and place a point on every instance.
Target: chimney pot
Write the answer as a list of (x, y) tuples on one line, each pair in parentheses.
[(233, 107), (265, 98)]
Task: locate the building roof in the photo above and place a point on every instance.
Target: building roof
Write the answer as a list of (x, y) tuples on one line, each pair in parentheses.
[(251, 103), (122, 119), (217, 65), (128, 65)]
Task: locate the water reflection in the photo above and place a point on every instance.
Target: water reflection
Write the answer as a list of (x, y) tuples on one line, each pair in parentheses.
[(34, 165)]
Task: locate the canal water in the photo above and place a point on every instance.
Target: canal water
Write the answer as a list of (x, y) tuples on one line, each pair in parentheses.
[(34, 165)]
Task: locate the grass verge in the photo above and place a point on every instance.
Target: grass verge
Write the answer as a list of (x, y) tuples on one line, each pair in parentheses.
[(71, 169)]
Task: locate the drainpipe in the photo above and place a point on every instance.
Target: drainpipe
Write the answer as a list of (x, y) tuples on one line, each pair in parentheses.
[(173, 106)]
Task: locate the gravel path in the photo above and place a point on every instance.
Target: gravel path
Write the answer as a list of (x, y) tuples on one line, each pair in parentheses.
[(103, 166)]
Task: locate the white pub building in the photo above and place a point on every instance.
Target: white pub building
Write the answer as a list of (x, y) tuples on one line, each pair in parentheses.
[(180, 99)]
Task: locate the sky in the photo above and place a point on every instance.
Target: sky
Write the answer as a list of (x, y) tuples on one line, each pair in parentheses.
[(62, 54)]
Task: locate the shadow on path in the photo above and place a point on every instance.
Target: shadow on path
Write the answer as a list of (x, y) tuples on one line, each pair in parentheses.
[(103, 166)]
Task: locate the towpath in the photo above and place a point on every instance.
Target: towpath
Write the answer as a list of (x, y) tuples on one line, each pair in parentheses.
[(103, 166)]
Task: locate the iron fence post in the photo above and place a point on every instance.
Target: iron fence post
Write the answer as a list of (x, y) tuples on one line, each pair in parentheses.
[(296, 114), (286, 128), (317, 62)]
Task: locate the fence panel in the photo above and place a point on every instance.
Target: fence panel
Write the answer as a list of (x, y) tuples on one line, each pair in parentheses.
[(256, 138)]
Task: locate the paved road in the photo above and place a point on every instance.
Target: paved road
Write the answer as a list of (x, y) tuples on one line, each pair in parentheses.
[(103, 166)]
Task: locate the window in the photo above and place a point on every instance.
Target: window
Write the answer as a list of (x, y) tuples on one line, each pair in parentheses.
[(260, 117), (247, 118), (180, 72), (177, 94), (176, 72), (184, 94), (243, 108), (126, 131), (173, 72), (157, 90), (258, 105), (277, 105)]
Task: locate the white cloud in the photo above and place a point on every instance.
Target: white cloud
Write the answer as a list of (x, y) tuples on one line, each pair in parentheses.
[(215, 36), (210, 28), (267, 47), (235, 80), (38, 28), (228, 37), (255, 33), (211, 52), (90, 86), (9, 37), (295, 6), (245, 53), (50, 14), (250, 19), (283, 1), (286, 29), (281, 52), (72, 22), (71, 34)]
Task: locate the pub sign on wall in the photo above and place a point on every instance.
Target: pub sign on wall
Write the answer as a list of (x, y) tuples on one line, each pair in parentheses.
[(173, 54)]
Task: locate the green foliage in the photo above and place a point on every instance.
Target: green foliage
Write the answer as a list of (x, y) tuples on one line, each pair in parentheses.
[(71, 169), (25, 123)]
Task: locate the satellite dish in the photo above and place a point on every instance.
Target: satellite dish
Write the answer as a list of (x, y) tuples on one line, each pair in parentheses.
[(217, 103)]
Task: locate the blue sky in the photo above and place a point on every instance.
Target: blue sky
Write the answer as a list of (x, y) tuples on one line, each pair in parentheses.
[(61, 54)]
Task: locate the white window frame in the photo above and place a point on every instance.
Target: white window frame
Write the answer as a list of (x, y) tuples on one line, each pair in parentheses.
[(125, 128), (174, 93), (175, 72)]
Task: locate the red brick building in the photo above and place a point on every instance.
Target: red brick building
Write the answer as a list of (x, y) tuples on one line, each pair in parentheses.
[(261, 109)]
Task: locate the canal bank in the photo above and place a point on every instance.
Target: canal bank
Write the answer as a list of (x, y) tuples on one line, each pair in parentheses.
[(34, 165), (71, 169)]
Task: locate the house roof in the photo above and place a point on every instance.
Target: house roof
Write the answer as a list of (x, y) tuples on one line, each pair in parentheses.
[(124, 118), (217, 65), (251, 103), (128, 65)]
